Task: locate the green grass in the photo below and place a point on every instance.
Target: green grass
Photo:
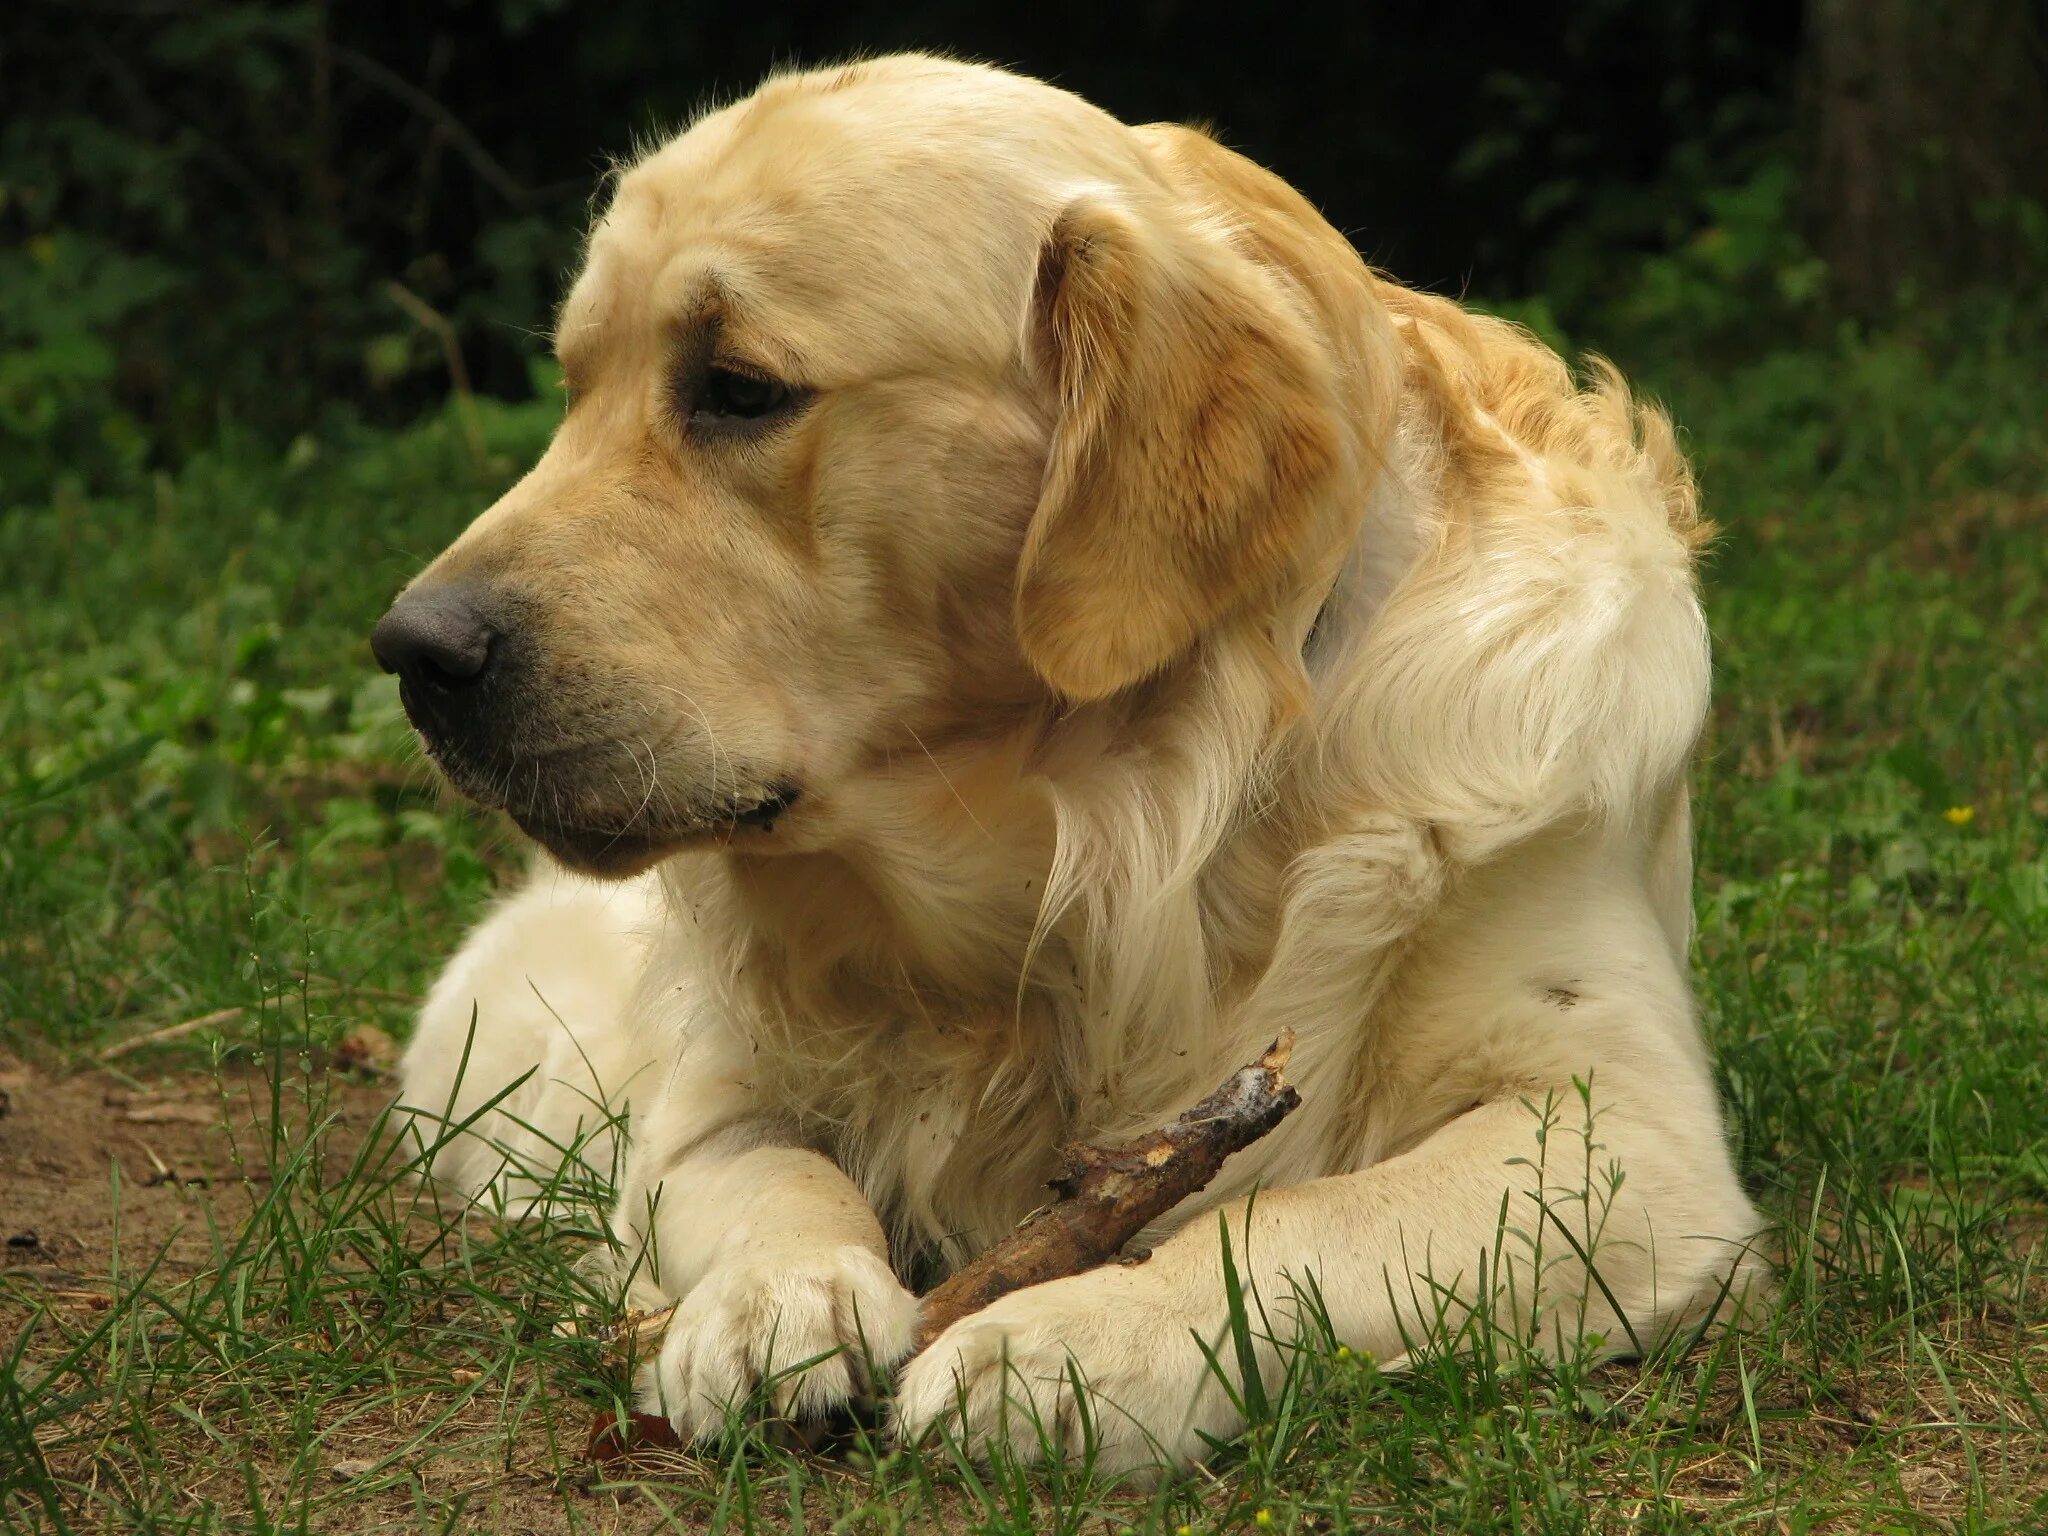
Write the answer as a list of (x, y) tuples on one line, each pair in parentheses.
[(207, 801)]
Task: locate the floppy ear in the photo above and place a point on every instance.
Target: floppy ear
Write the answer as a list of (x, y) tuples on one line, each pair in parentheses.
[(1196, 437)]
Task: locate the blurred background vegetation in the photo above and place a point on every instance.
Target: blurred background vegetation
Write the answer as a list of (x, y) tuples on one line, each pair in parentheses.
[(262, 217)]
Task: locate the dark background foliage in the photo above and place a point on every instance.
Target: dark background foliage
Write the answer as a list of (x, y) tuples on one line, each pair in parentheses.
[(253, 214)]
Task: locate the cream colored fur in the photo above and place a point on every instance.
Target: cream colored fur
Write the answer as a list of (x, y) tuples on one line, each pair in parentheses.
[(1367, 715)]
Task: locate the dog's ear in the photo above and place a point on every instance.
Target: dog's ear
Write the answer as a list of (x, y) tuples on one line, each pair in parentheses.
[(1195, 438)]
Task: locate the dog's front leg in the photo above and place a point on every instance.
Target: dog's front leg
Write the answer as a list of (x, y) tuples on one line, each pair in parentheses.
[(777, 1265), (1470, 1218), (793, 1290)]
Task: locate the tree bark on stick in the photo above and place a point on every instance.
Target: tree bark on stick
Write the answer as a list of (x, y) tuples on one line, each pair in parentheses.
[(1108, 1195)]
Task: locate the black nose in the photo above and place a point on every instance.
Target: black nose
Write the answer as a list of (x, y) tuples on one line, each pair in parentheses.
[(436, 637)]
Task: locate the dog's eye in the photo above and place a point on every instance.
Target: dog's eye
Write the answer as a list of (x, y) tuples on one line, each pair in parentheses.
[(727, 397)]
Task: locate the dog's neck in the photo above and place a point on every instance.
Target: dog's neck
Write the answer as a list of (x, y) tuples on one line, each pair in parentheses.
[(940, 893)]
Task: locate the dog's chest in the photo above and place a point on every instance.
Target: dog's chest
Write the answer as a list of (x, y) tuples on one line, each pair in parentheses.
[(949, 1118)]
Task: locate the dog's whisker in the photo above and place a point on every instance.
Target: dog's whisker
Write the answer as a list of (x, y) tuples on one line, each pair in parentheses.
[(948, 782)]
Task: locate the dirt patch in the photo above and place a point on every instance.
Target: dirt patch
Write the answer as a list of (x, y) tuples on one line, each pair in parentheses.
[(105, 1174), (102, 1171)]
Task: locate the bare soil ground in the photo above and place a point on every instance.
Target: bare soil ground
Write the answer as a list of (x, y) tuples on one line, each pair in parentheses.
[(104, 1174), (100, 1170)]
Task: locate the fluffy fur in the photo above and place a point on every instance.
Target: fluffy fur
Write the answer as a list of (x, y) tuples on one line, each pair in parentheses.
[(1214, 637)]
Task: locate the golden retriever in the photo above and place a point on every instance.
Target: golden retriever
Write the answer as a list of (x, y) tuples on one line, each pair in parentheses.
[(1015, 614)]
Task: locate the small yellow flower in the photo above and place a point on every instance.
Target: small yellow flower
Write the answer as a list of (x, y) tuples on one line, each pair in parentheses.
[(1183, 1530), (1343, 1351), (1263, 1518), (1959, 815)]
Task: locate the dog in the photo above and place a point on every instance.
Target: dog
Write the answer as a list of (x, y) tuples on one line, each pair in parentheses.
[(1015, 614)]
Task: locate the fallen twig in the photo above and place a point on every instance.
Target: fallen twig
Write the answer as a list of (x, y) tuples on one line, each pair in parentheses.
[(438, 326), (1108, 1195), (176, 1031)]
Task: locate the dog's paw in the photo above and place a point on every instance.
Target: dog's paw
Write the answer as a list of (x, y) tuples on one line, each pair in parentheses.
[(1006, 1375), (810, 1327)]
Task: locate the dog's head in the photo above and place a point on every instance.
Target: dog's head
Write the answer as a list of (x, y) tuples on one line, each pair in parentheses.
[(904, 401)]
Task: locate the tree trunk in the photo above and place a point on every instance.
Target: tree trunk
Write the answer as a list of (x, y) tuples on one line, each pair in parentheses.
[(1926, 141)]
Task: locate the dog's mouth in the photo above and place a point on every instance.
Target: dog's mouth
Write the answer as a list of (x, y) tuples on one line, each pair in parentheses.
[(610, 855), (767, 810), (631, 846), (618, 852), (552, 797)]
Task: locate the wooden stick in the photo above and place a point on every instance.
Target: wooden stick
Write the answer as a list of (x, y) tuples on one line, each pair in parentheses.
[(437, 325), (1108, 1195), (169, 1032)]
